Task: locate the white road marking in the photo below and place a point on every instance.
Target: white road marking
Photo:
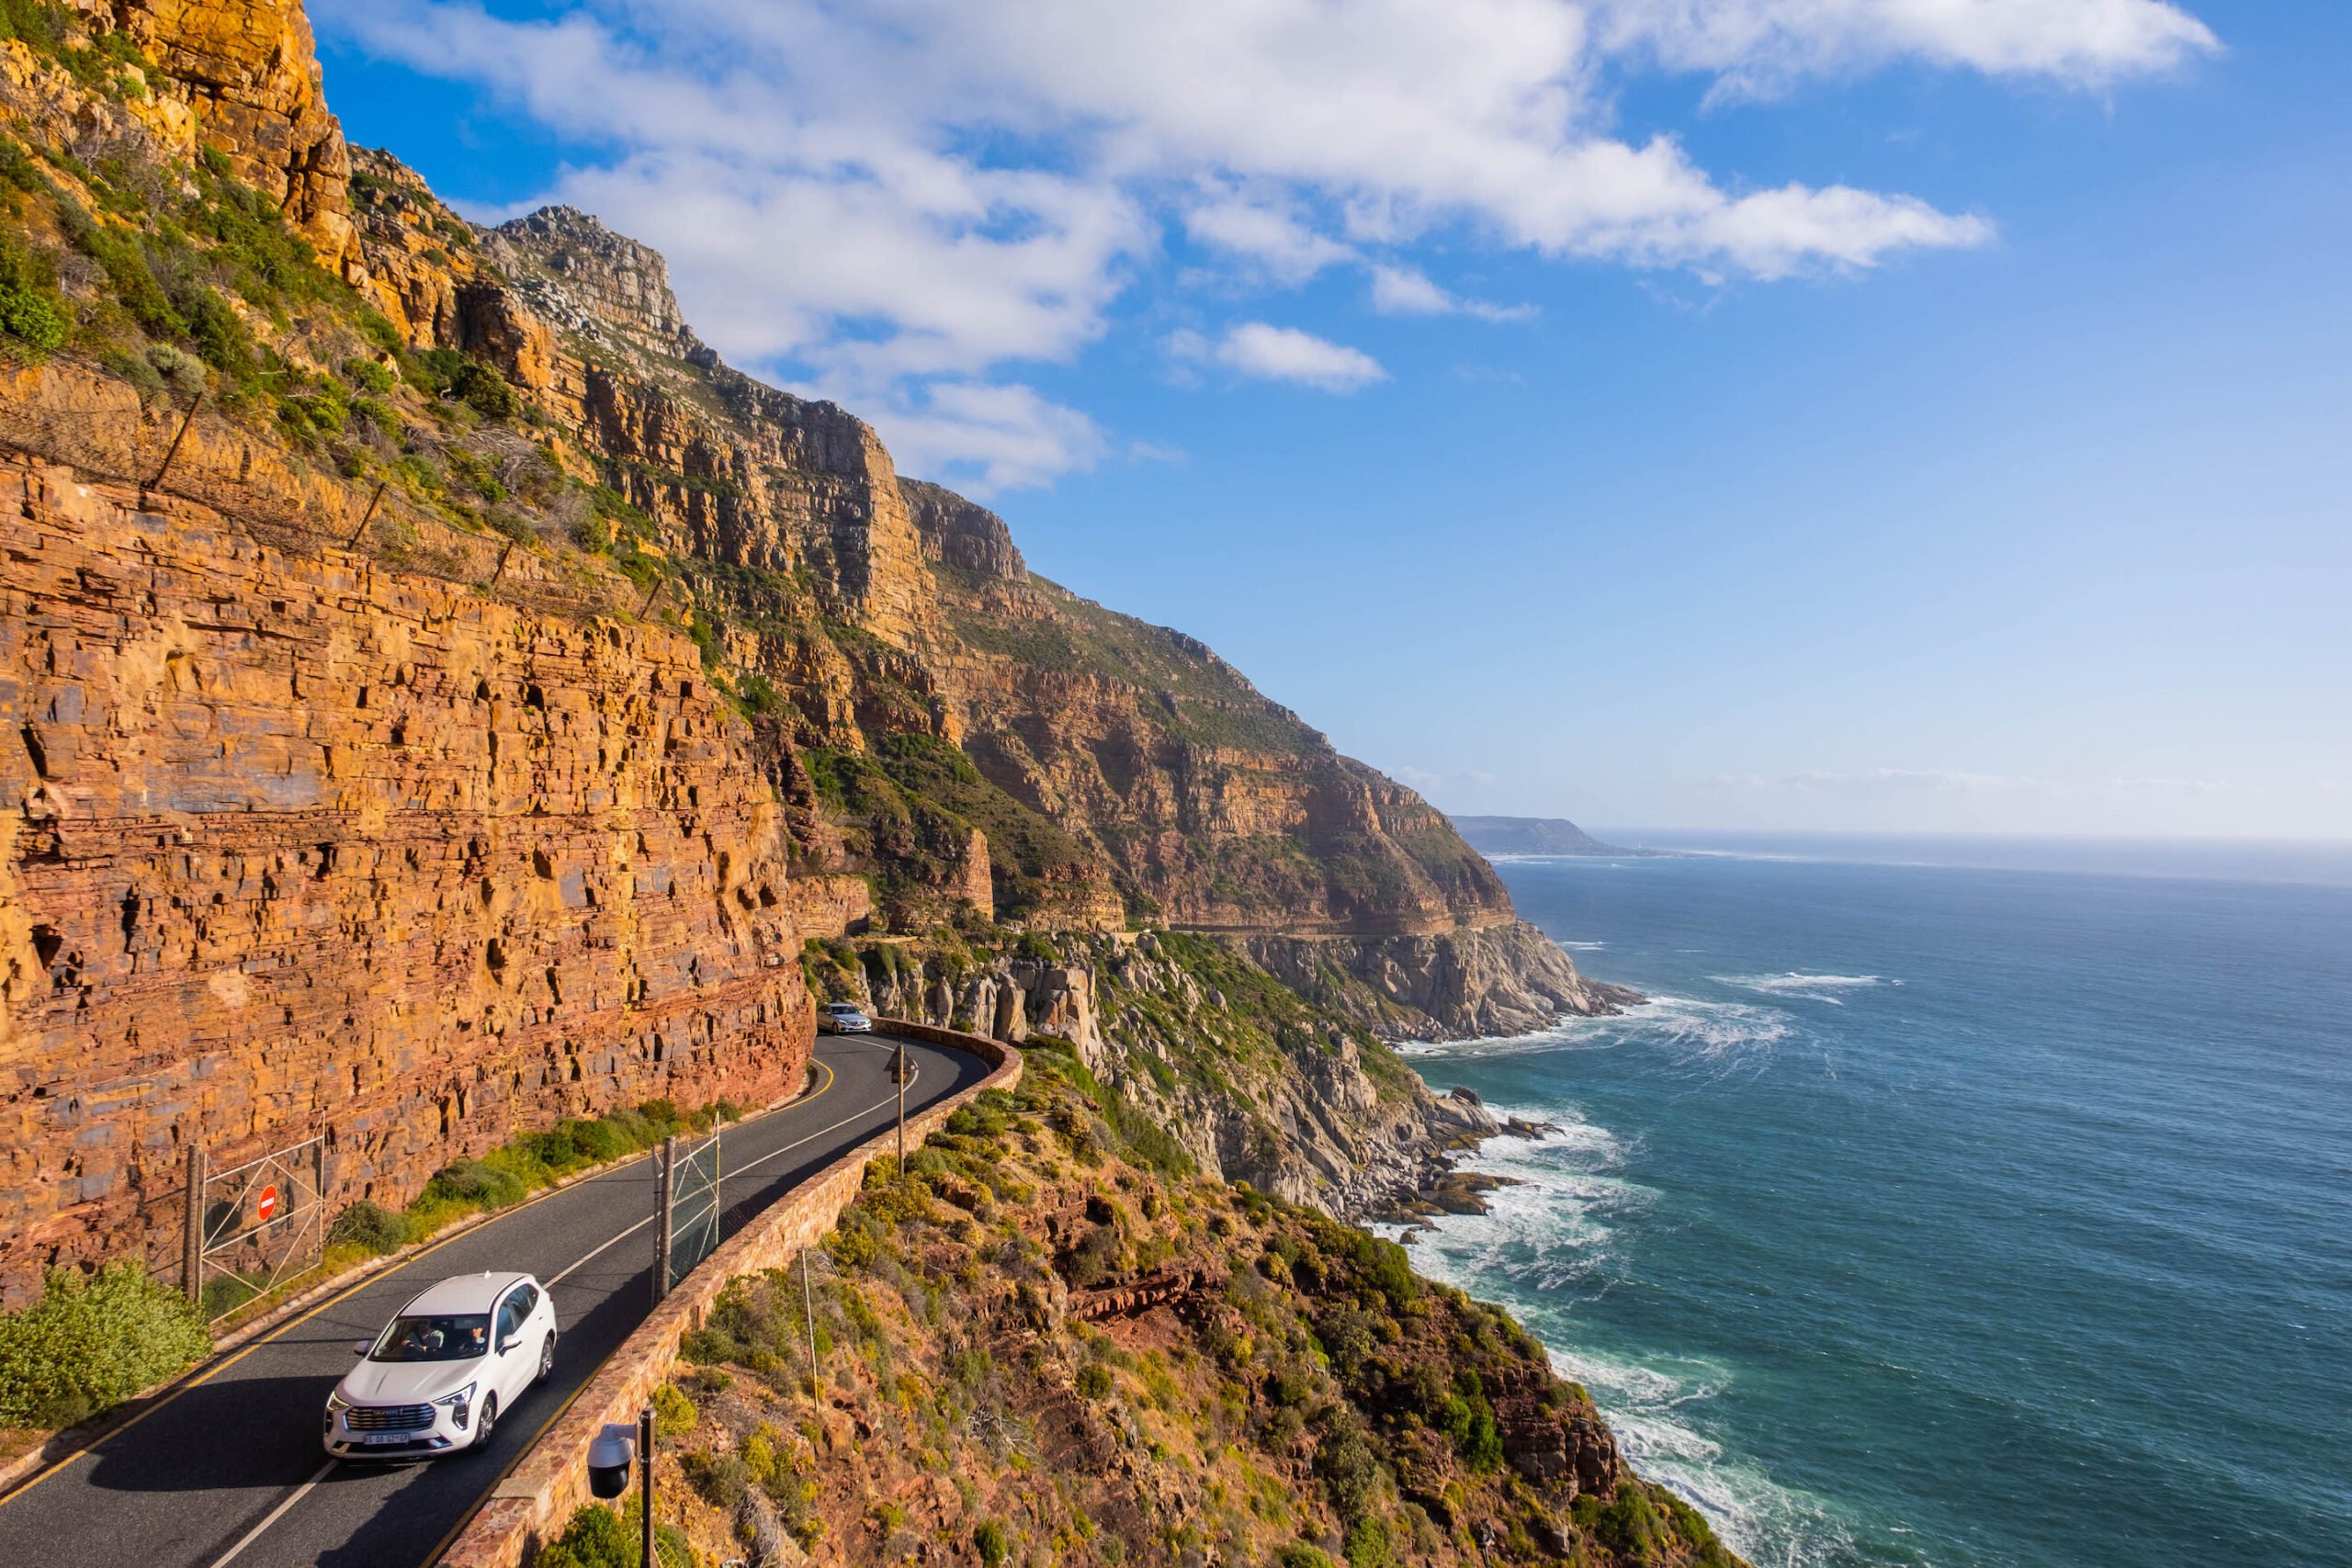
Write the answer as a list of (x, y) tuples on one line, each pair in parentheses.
[(275, 1514), (727, 1175), (304, 1490)]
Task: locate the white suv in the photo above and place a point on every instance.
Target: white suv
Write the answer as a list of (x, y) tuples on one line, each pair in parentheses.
[(434, 1381)]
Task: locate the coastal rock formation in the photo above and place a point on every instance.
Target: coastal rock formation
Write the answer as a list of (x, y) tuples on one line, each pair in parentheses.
[(1143, 1364), (634, 637), (300, 846), (1191, 798), (248, 72), (1504, 979)]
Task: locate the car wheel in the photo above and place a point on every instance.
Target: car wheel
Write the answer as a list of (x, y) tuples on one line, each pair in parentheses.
[(547, 1359), (485, 1423)]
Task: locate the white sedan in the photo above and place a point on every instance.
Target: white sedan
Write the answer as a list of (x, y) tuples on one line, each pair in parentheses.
[(434, 1381)]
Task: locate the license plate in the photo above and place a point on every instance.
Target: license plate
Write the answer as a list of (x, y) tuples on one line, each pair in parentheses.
[(371, 1439)]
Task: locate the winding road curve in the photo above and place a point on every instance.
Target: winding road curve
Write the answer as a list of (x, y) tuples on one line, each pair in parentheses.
[(228, 1469)]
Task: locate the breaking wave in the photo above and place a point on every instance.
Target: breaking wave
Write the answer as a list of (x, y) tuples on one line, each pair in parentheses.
[(1553, 1239), (1812, 988), (1707, 1037)]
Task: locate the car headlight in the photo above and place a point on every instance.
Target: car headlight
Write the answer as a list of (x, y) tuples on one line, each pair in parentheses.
[(336, 1402), (456, 1404)]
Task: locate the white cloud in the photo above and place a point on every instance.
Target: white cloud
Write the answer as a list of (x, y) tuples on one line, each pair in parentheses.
[(1268, 353), (1268, 232), (1764, 46), (1407, 291), (924, 194)]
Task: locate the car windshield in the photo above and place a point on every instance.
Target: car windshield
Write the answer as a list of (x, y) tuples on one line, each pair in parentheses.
[(456, 1338), (843, 1008)]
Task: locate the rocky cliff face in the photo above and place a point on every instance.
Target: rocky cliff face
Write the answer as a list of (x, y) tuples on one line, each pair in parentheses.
[(1195, 799), (248, 73), (328, 827), (304, 846)]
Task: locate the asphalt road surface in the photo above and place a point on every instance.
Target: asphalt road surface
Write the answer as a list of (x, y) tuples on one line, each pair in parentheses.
[(229, 1468)]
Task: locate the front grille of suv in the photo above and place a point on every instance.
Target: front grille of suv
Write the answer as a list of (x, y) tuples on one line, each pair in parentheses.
[(387, 1417)]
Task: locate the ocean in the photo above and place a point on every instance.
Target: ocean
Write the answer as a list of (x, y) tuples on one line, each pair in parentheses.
[(1954, 1205)]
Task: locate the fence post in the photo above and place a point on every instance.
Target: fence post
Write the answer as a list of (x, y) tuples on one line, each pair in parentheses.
[(368, 516), (174, 450), (319, 1186), (665, 1180), (809, 1314), (192, 1228)]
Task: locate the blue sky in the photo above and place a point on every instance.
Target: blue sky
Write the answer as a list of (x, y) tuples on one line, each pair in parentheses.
[(1792, 414)]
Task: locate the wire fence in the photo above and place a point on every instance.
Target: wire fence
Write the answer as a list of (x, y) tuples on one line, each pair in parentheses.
[(72, 412)]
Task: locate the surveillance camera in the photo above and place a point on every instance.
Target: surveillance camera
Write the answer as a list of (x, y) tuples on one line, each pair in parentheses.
[(609, 1455)]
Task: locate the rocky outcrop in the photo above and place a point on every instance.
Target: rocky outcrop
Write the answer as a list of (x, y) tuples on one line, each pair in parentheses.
[(1506, 979), (1145, 1365), (248, 71), (1196, 800), (304, 846)]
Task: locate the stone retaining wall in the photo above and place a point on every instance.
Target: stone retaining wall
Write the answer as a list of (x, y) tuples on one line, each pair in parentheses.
[(530, 1506)]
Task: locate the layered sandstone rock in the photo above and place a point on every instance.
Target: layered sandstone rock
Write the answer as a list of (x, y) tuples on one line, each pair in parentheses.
[(305, 846)]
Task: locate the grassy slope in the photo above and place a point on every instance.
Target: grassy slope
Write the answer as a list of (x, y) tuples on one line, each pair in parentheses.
[(1287, 1391)]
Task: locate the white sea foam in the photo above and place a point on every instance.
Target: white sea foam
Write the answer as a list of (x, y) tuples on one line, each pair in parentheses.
[(1553, 1235), (1812, 988)]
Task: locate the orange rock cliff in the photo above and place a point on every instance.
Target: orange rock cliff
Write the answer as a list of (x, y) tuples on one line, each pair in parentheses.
[(320, 823)]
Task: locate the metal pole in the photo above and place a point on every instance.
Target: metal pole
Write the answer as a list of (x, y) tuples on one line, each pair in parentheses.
[(645, 1463), (808, 1311), (502, 563), (319, 1189), (652, 594), (174, 451), (666, 1181), (901, 1069), (192, 1228), (368, 516)]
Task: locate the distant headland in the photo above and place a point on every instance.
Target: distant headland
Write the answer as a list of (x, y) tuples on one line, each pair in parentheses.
[(1534, 835)]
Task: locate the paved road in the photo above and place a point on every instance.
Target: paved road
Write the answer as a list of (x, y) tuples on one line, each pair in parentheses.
[(229, 1469)]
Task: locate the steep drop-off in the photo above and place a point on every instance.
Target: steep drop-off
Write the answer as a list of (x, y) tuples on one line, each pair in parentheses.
[(1050, 1342)]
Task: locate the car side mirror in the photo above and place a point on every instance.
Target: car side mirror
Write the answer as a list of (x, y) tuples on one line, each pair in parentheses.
[(361, 1347), (504, 1345)]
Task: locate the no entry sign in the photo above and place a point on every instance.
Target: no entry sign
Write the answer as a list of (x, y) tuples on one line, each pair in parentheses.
[(266, 1206)]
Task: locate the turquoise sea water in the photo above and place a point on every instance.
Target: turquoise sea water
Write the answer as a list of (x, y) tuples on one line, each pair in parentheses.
[(1953, 1215)]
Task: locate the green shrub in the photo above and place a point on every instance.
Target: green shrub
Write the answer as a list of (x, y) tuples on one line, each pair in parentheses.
[(1296, 1555), (1368, 1545), (722, 1479), (989, 1542), (674, 1414), (1093, 1380), (31, 310), (477, 1183), (369, 376), (369, 1225), (594, 1539), (91, 1343)]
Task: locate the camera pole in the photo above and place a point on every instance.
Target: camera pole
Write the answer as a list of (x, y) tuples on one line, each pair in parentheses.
[(645, 1462)]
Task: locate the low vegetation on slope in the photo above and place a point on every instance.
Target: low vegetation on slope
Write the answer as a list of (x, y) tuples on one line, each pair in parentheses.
[(1047, 1341)]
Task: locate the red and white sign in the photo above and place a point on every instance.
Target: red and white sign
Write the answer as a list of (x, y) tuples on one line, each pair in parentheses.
[(266, 1206)]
